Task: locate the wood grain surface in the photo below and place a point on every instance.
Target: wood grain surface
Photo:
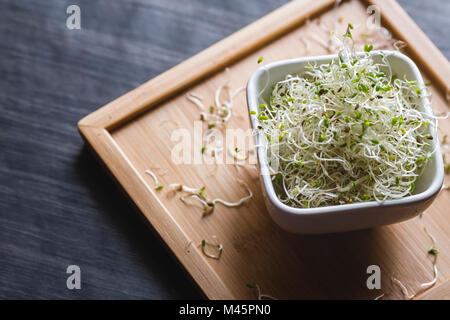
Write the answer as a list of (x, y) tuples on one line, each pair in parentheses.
[(57, 206)]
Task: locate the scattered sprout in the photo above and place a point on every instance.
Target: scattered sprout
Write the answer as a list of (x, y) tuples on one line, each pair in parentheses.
[(186, 248), (368, 48), (196, 99), (208, 205), (434, 252), (427, 285), (260, 295), (217, 247), (260, 59)]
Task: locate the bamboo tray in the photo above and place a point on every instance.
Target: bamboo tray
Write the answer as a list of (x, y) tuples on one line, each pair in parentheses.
[(132, 134)]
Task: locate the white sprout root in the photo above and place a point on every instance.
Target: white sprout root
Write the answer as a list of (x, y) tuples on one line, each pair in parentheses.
[(217, 246), (261, 296), (208, 204), (186, 248), (344, 132), (196, 99), (399, 45), (153, 175), (402, 288), (434, 252)]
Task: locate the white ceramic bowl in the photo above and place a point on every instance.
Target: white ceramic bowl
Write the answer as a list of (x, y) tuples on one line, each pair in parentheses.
[(346, 217)]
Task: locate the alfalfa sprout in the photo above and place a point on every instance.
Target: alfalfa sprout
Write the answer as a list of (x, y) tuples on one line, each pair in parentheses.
[(261, 296), (346, 131), (433, 251), (212, 250), (155, 179), (218, 116)]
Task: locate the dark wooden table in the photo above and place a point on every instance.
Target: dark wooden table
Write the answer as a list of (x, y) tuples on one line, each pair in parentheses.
[(58, 207)]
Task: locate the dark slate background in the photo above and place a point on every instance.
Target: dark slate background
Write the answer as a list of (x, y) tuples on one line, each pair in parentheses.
[(57, 205)]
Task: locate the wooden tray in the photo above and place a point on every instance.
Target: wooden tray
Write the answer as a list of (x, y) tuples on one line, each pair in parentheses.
[(132, 134)]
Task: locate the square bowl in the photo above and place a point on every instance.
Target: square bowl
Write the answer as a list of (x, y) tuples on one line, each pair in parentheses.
[(344, 217)]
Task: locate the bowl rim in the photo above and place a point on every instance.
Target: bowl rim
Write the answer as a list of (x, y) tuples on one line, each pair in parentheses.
[(252, 102)]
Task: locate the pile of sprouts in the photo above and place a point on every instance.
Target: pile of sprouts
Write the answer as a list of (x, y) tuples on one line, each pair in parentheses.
[(346, 131)]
